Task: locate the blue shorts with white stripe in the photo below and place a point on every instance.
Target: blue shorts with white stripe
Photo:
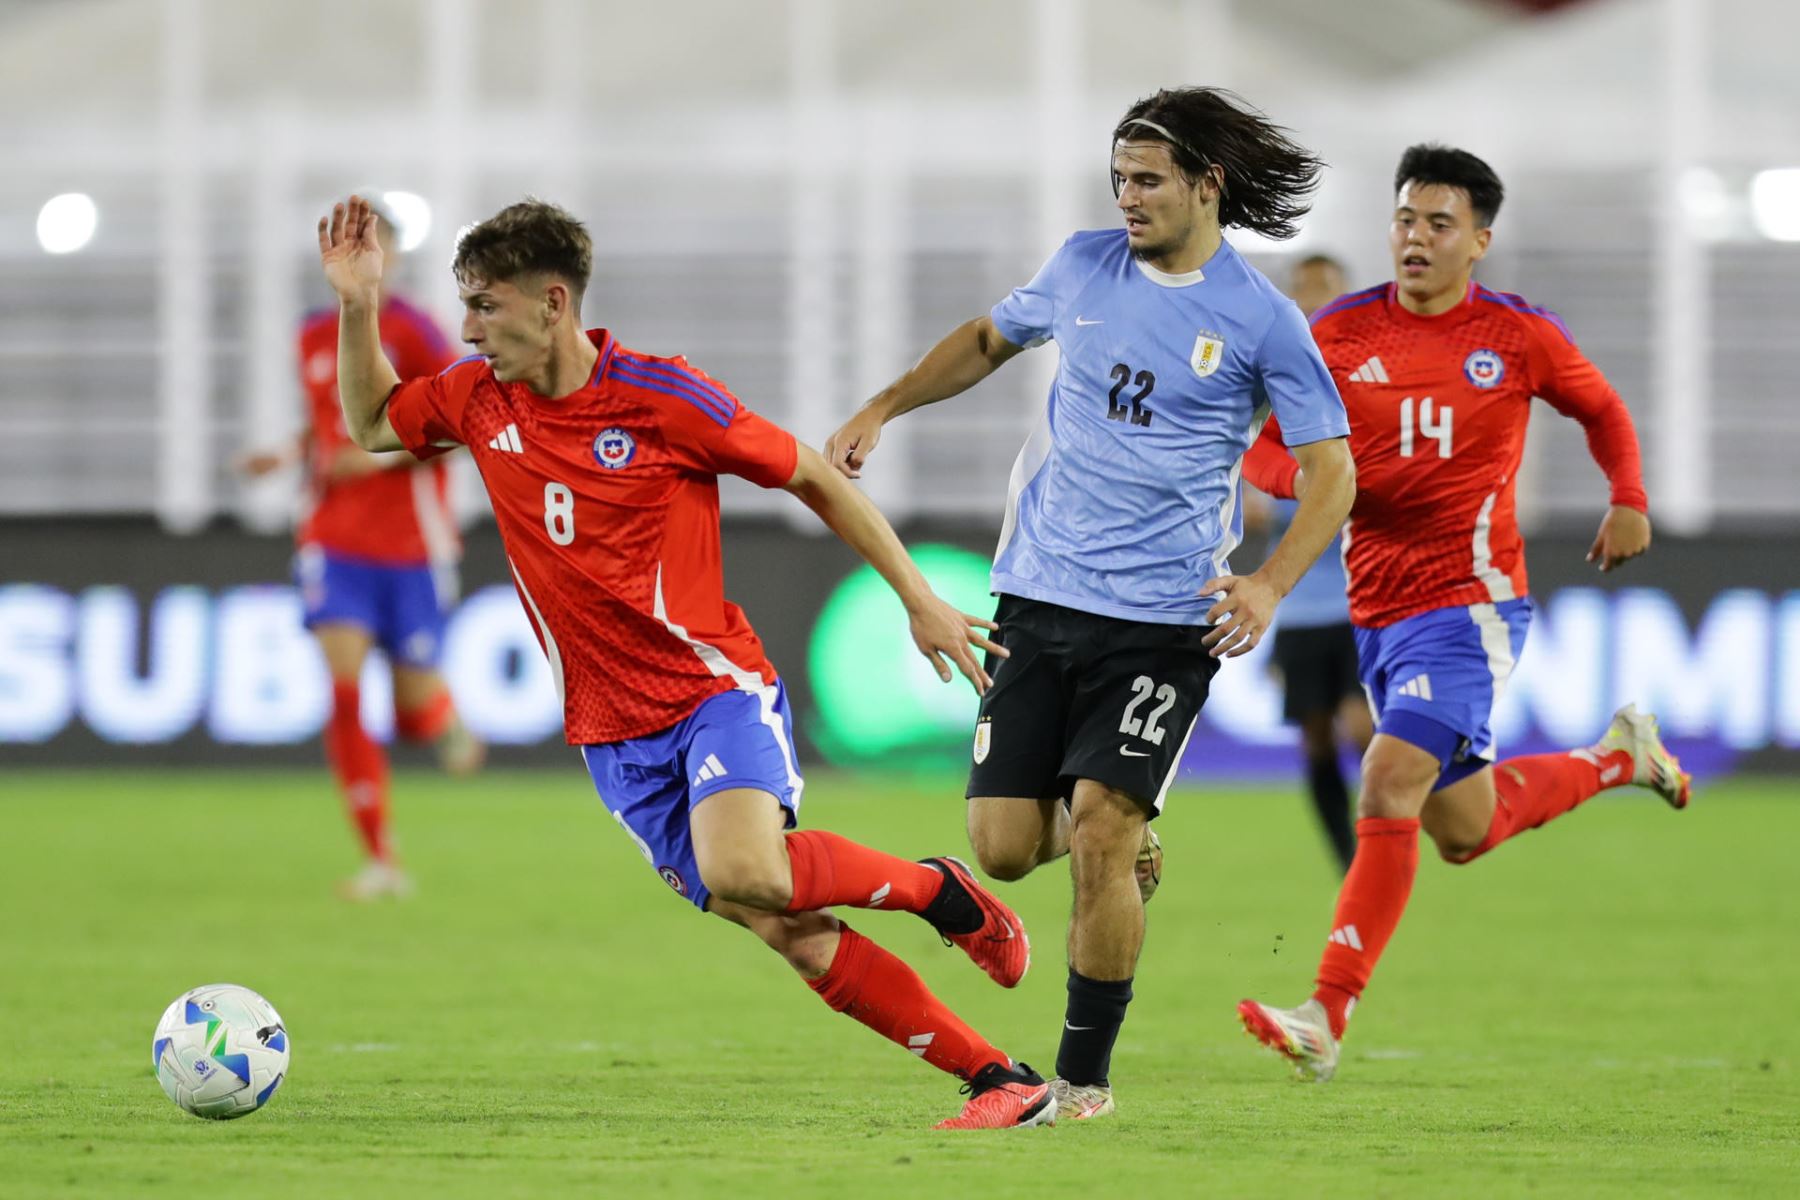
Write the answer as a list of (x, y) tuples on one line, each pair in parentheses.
[(1433, 679), (650, 784)]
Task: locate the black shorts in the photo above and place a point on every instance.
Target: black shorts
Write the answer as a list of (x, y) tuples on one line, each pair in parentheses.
[(1087, 697), (1318, 668)]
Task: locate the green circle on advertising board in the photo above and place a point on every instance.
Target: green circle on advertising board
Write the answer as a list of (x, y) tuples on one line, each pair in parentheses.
[(877, 697)]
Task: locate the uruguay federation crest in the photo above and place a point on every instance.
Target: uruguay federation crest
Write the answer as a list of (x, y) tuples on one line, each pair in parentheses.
[(1484, 368), (1209, 352), (984, 739), (614, 448)]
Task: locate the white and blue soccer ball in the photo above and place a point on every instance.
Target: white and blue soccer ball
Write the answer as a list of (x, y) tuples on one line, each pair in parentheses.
[(220, 1051)]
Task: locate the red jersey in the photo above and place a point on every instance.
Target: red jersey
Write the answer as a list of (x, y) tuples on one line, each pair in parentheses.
[(1438, 408), (608, 504), (400, 515)]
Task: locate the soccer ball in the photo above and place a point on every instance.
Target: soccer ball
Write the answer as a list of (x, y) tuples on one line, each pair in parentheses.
[(220, 1051)]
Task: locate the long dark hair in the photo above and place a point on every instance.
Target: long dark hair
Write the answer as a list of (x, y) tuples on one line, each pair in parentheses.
[(1268, 177)]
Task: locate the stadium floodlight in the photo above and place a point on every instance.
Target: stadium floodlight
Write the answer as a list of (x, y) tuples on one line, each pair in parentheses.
[(67, 222), (1775, 204), (412, 214)]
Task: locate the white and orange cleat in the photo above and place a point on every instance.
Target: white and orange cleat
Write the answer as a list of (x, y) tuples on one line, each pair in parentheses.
[(999, 944), (1652, 766), (1301, 1035), (1081, 1101), (1005, 1097), (1149, 867)]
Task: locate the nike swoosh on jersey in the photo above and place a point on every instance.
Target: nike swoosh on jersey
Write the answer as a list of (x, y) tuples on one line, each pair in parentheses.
[(1079, 321), (1128, 752)]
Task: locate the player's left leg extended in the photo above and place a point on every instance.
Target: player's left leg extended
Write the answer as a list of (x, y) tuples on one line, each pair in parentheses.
[(1469, 818), (739, 846)]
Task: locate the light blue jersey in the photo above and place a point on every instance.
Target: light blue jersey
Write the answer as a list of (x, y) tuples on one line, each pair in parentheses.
[(1322, 597), (1123, 500)]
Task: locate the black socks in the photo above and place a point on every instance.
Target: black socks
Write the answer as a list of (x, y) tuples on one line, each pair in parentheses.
[(1096, 1010), (1332, 801)]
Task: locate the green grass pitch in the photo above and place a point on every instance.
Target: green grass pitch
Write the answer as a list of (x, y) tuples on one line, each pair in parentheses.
[(1604, 1007)]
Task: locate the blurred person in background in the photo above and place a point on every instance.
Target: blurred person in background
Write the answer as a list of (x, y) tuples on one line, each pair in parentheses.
[(1314, 647), (1438, 375), (377, 566), (1116, 597), (603, 467)]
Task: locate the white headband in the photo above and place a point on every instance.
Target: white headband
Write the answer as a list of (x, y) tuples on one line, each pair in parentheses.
[(1158, 128)]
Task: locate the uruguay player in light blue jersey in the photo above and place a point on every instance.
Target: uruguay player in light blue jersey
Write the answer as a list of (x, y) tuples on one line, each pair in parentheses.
[(1116, 593)]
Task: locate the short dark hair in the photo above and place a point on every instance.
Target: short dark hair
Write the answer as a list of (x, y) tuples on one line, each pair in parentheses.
[(1431, 163), (1268, 177), (532, 237)]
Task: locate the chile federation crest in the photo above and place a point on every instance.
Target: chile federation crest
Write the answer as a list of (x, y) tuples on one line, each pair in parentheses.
[(614, 449)]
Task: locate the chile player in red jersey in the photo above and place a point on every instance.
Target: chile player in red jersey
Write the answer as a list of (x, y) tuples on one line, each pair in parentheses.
[(1438, 373), (377, 560), (602, 464)]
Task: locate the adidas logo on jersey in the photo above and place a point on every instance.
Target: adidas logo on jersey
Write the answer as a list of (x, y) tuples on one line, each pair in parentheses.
[(1418, 685), (1370, 372), (1347, 936), (508, 440), (711, 769)]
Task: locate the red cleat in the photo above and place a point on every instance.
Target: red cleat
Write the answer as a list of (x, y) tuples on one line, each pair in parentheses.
[(1005, 1097), (999, 944)]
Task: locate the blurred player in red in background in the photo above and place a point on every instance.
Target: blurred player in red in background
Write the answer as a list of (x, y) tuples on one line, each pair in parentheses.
[(603, 467), (1438, 373), (377, 560)]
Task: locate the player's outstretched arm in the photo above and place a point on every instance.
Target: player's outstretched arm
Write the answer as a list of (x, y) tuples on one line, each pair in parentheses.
[(967, 355), (938, 629), (1244, 612), (352, 259)]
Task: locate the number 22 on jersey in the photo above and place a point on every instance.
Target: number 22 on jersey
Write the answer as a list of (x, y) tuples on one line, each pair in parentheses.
[(1433, 422)]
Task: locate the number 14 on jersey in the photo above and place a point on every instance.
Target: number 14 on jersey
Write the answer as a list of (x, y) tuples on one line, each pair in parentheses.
[(1432, 422)]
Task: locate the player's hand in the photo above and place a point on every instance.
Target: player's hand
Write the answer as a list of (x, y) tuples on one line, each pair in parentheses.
[(349, 252), (851, 445), (1241, 616), (940, 631), (1624, 534), (260, 463)]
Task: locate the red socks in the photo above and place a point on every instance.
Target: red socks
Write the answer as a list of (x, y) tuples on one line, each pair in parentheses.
[(360, 766), (1531, 791), (830, 870), (1368, 910), (873, 986), (1527, 793), (425, 723)]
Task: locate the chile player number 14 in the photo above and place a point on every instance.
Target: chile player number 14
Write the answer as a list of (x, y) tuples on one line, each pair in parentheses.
[(1432, 423)]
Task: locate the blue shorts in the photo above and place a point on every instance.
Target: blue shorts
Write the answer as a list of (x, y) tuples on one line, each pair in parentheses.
[(737, 739), (402, 608), (1433, 679)]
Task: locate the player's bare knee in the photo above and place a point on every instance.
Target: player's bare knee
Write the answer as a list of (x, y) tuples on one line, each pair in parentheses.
[(748, 880), (1106, 832), (1453, 849), (1389, 793), (1003, 858)]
